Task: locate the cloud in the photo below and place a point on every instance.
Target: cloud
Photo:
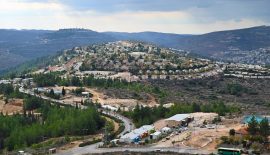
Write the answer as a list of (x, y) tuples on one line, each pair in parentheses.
[(16, 5), (173, 16)]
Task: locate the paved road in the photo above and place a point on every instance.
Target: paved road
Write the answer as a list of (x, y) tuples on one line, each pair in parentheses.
[(50, 99), (94, 148), (127, 122)]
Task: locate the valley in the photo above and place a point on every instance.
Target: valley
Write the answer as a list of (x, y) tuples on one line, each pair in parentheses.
[(148, 95), (134, 77)]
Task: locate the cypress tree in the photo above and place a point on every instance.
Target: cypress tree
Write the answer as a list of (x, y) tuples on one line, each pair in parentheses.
[(252, 126)]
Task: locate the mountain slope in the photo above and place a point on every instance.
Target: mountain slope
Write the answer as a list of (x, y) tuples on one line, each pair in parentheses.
[(243, 39), (17, 46), (250, 45), (243, 45)]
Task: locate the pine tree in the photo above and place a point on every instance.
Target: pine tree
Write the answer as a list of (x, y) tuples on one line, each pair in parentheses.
[(232, 132), (253, 126), (63, 91), (51, 92), (264, 128)]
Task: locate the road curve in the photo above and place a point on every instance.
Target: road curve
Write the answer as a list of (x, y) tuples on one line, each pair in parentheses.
[(94, 148), (127, 122)]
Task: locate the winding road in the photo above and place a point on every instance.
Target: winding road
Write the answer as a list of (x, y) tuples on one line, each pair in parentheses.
[(94, 148), (127, 122)]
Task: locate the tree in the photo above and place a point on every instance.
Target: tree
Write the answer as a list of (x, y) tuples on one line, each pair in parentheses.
[(63, 91), (232, 132), (252, 126), (264, 128), (196, 107), (75, 81), (18, 131), (51, 92)]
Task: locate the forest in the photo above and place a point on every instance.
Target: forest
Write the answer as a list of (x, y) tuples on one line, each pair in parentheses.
[(146, 115), (52, 79), (41, 119), (10, 92)]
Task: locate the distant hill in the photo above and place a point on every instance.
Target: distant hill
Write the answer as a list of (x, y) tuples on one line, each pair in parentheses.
[(206, 44), (17, 46), (243, 39), (250, 45), (161, 39)]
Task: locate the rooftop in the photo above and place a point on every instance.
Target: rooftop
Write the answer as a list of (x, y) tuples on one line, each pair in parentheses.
[(156, 133), (178, 117), (137, 132)]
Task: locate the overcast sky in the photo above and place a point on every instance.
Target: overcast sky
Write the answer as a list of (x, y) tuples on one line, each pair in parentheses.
[(174, 16)]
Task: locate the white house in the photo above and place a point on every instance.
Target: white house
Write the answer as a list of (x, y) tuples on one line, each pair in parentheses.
[(155, 135)]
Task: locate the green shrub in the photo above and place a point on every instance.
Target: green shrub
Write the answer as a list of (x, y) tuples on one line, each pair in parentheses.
[(89, 142)]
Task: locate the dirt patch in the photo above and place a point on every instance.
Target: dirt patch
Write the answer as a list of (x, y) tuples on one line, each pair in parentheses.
[(197, 137), (141, 97), (200, 142), (200, 117), (13, 106), (209, 138), (175, 140), (102, 96), (76, 143), (70, 145), (160, 124)]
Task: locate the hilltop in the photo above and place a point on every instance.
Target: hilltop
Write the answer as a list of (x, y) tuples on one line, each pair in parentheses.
[(132, 61), (249, 45), (185, 78)]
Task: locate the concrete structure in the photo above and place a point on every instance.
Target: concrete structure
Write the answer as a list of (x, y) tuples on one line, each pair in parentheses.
[(155, 135), (85, 94), (111, 108), (57, 92), (41, 90), (52, 150), (177, 120), (168, 105)]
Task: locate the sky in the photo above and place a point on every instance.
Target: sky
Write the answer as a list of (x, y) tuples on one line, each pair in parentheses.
[(170, 16)]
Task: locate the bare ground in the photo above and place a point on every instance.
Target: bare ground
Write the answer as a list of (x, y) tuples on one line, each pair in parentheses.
[(13, 106)]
